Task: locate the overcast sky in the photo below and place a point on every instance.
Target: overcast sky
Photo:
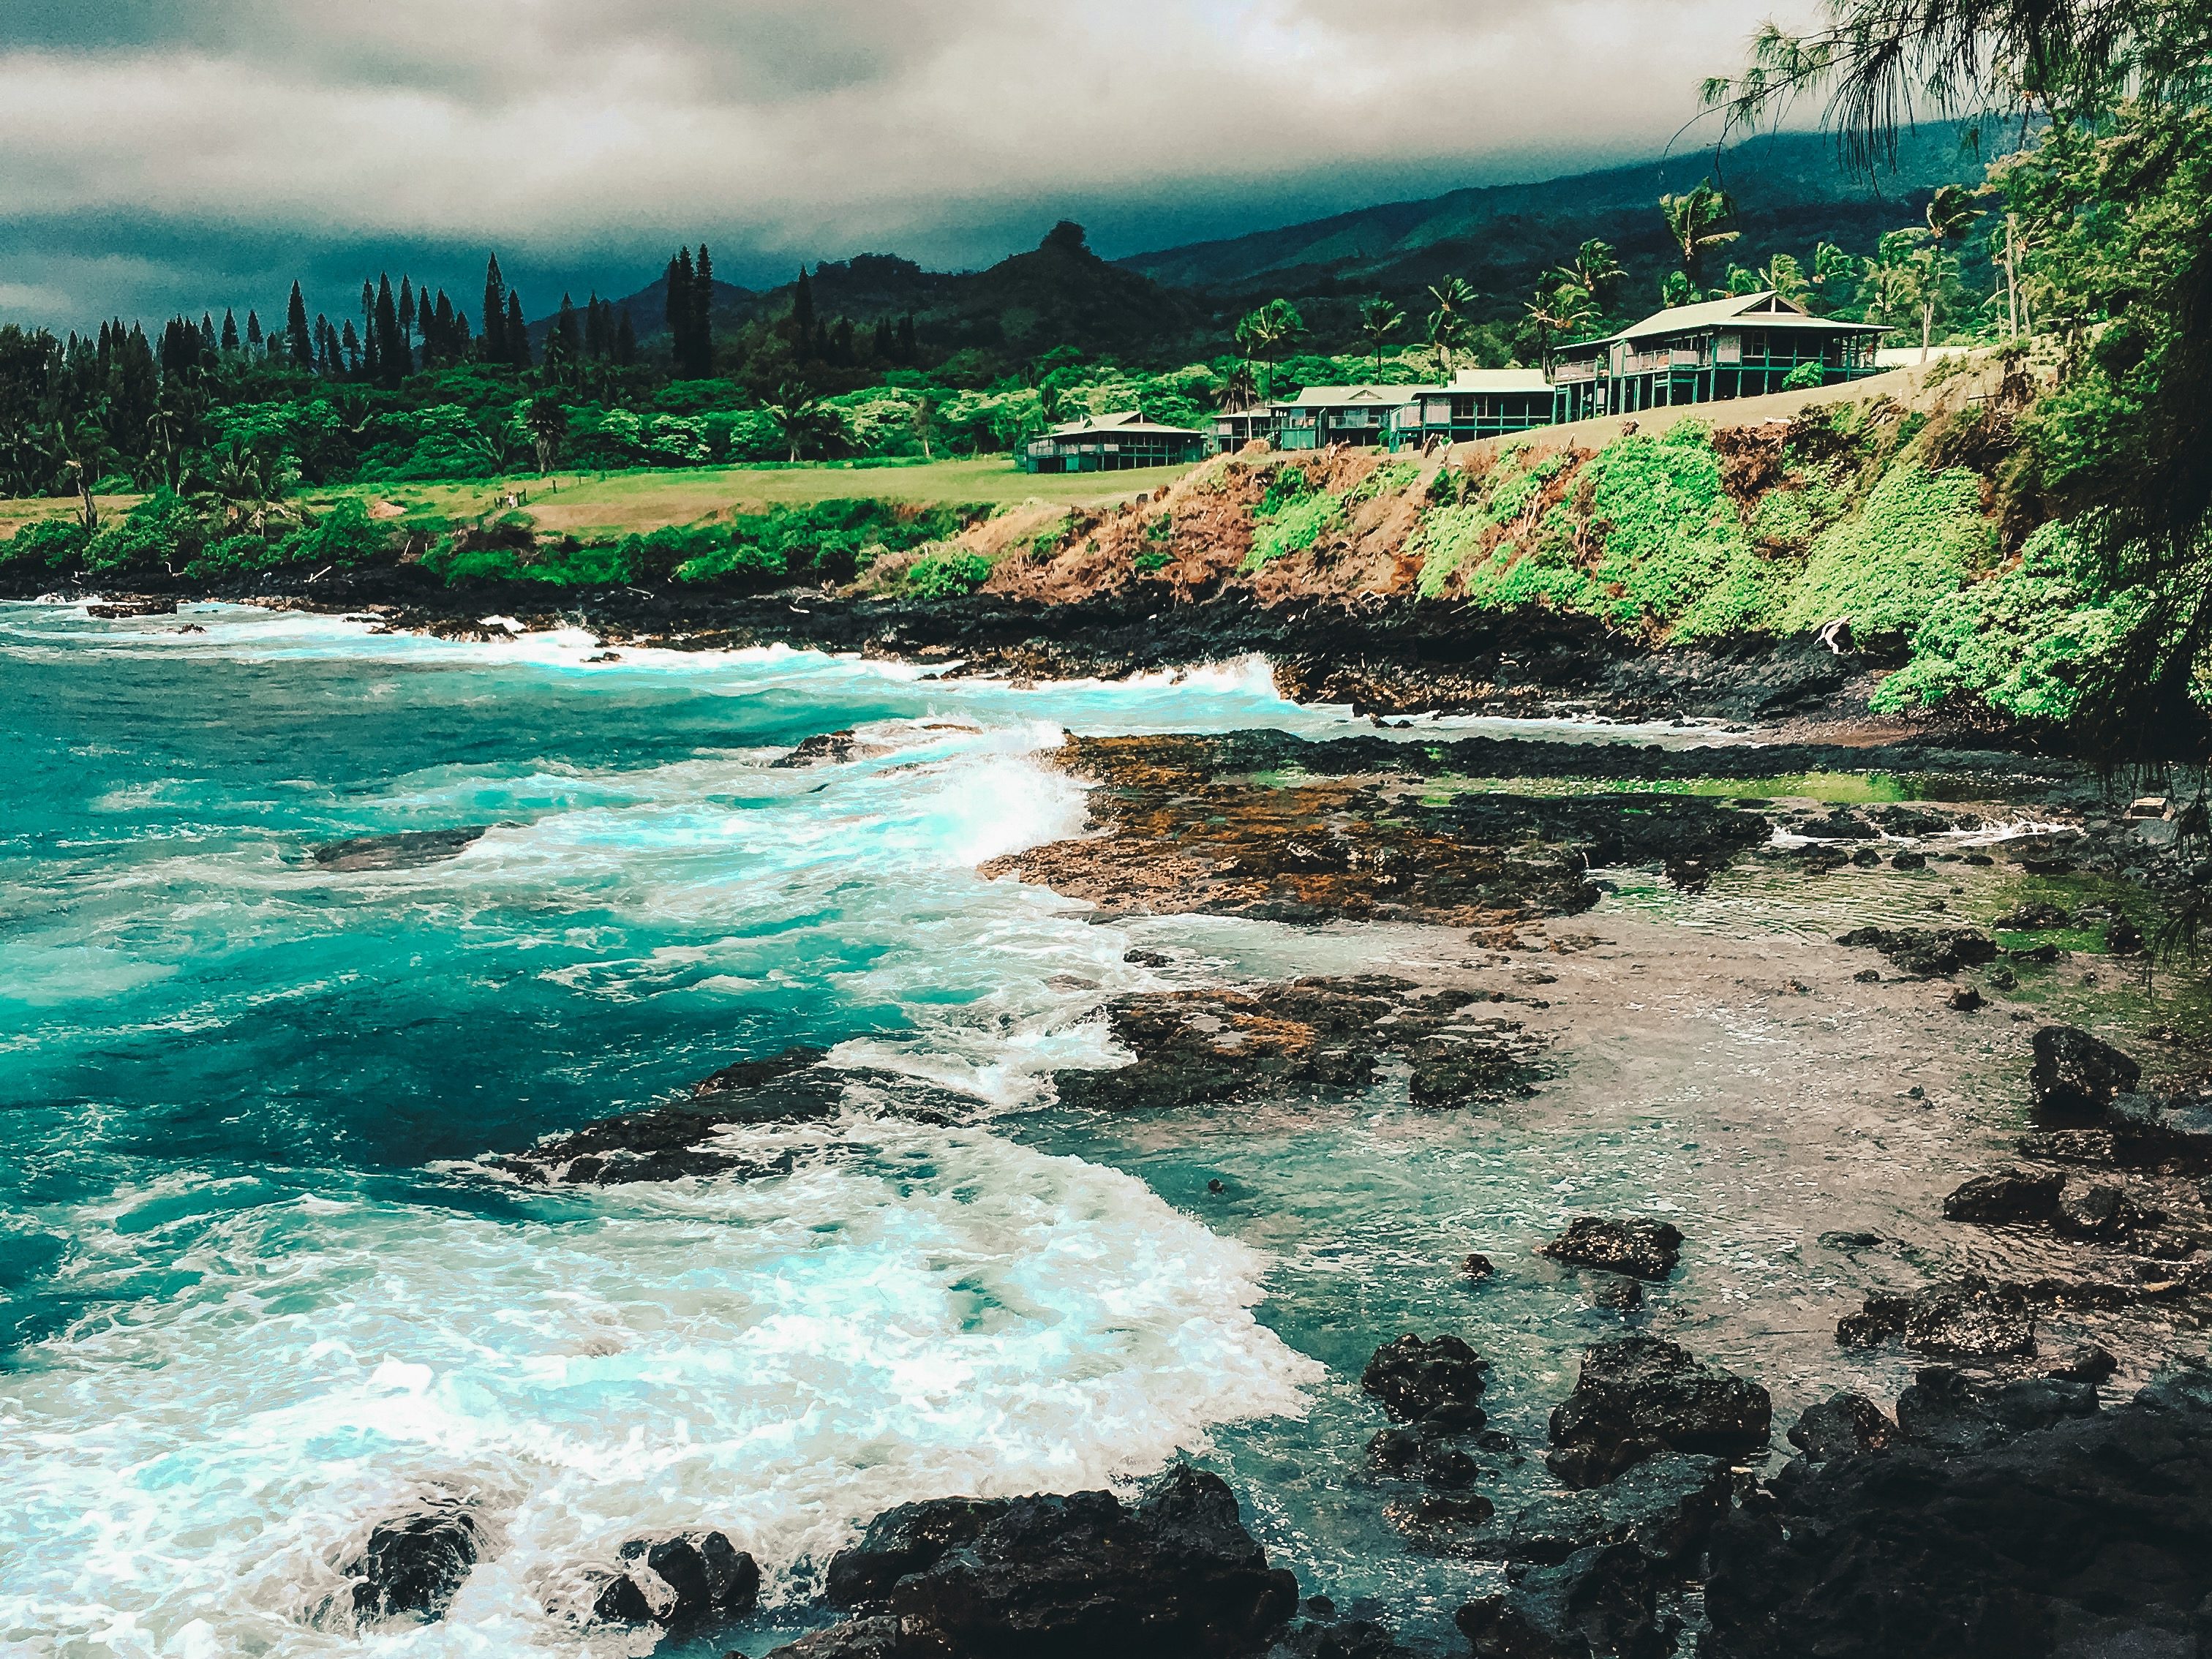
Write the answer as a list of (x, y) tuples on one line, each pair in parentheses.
[(167, 153)]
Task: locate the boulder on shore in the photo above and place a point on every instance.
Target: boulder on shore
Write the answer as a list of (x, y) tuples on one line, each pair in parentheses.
[(1639, 1247), (1638, 1396), (2012, 1194), (1603, 1600), (1174, 1574), (1842, 1425), (2092, 1536), (2075, 1076), (1925, 951), (1948, 1411), (1966, 1318)]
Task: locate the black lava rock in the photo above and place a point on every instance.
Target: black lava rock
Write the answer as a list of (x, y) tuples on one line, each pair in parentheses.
[(1638, 1246), (1638, 1395), (694, 1577), (2075, 1076), (1665, 1506), (2091, 1536), (1439, 1381), (1174, 1574), (1598, 1600), (2013, 1194), (1842, 1425), (1966, 1318), (1951, 1411), (1927, 952), (414, 1564)]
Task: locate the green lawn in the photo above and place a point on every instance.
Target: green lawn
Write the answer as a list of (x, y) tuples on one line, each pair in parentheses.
[(615, 503)]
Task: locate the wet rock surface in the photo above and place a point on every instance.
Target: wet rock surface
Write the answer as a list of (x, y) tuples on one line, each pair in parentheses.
[(1639, 1395), (692, 1578), (1666, 1506), (1968, 1317), (2090, 1536), (724, 1126), (1842, 1425), (1603, 1600), (1436, 1382), (1640, 1248), (1174, 1573), (1311, 1037), (406, 849), (2075, 1075), (1267, 826), (1927, 952), (413, 1564)]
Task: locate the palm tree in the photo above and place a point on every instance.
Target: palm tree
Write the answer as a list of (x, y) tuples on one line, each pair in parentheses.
[(1677, 290), (1594, 273), (1448, 324), (1378, 320), (1266, 333), (797, 413), (1696, 223), (1559, 311), (549, 423), (1786, 278)]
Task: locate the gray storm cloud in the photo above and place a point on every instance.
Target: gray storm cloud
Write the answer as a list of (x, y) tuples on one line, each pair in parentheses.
[(142, 137)]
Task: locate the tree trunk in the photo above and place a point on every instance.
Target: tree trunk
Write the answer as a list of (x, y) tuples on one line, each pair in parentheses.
[(1927, 328)]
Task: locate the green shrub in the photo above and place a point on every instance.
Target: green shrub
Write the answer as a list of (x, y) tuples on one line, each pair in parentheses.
[(1804, 378), (2024, 641), (157, 531), (1919, 536), (944, 574), (1156, 559), (49, 544), (1675, 550), (1292, 528), (345, 536)]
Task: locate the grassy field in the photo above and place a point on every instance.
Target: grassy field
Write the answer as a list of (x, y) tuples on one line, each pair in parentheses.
[(595, 505)]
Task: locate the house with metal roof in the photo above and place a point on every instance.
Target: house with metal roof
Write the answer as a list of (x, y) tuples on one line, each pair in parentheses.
[(1479, 403), (1743, 346), (1355, 415), (1112, 443), (1235, 427)]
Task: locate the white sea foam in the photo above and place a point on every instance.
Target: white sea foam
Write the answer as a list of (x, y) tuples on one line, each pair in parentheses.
[(948, 1313)]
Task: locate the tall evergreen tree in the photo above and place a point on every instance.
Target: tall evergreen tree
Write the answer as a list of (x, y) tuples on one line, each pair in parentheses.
[(566, 334), (406, 308), (295, 329), (495, 348), (679, 311), (252, 329), (207, 331), (392, 358), (802, 306), (906, 344), (703, 317), (441, 323), (350, 343), (880, 347), (625, 340), (517, 333), (595, 327), (229, 330)]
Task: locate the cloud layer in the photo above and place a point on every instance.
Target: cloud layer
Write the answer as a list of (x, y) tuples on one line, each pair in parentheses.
[(161, 150)]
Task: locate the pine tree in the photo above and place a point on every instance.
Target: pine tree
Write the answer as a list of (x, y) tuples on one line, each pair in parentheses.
[(625, 340), (495, 348), (517, 333), (802, 305), (406, 309), (295, 329), (703, 317), (679, 311), (252, 329), (207, 331), (393, 360), (566, 334), (229, 330), (350, 343), (441, 322), (595, 328)]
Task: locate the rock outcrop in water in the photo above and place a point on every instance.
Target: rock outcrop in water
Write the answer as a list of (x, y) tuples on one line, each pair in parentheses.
[(1640, 1248), (1321, 1038), (1173, 1574), (1927, 952), (405, 849), (1638, 1396), (1436, 1382), (1245, 826), (2092, 1536), (693, 1578), (2075, 1076), (413, 1563)]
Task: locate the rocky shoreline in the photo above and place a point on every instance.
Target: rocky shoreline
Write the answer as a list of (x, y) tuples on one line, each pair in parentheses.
[(1385, 657)]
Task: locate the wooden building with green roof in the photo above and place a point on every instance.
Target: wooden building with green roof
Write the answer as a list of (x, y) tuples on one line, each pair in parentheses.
[(1744, 346)]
